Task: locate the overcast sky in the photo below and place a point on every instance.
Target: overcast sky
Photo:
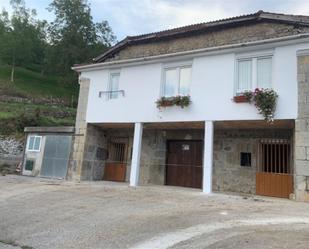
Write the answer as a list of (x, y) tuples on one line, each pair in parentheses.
[(133, 17)]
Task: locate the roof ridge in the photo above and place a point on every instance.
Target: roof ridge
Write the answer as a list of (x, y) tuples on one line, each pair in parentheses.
[(197, 24)]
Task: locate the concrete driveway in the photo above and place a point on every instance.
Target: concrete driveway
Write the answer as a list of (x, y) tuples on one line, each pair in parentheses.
[(40, 213)]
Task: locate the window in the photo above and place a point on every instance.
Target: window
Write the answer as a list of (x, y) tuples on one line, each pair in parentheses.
[(255, 72), (29, 165), (114, 85), (245, 159), (117, 152), (275, 156), (34, 143), (176, 81)]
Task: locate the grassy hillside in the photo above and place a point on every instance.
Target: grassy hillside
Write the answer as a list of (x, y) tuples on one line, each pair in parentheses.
[(32, 85)]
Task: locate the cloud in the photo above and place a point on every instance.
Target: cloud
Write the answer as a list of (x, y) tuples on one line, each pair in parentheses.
[(142, 16)]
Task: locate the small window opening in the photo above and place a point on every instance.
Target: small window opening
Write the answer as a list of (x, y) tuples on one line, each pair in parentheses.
[(29, 165), (245, 159)]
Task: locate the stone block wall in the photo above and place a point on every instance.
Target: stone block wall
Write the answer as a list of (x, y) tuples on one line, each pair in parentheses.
[(11, 152), (228, 174), (219, 37), (79, 138), (95, 154), (153, 156), (301, 160)]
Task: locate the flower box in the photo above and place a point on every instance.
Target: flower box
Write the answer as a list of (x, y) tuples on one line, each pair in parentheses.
[(241, 99), (182, 101), (166, 103)]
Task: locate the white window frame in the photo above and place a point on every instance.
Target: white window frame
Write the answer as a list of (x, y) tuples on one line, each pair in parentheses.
[(28, 142), (176, 66), (109, 86), (253, 58)]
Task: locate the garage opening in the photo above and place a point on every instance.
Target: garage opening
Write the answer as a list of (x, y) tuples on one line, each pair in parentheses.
[(274, 175), (184, 163)]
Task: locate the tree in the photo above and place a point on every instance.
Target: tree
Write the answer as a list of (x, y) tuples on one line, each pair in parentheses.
[(74, 37), (22, 38)]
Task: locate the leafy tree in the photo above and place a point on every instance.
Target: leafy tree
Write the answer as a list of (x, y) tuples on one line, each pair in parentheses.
[(22, 37), (74, 37)]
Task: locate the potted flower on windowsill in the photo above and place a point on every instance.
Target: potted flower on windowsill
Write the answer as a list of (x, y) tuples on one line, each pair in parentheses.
[(265, 100), (179, 100)]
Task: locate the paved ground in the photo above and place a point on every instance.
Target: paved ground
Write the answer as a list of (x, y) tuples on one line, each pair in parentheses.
[(38, 213)]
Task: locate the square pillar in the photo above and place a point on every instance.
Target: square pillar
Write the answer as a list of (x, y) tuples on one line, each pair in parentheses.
[(136, 155), (208, 157)]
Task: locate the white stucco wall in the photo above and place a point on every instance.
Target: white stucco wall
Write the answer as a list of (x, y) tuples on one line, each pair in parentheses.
[(212, 90)]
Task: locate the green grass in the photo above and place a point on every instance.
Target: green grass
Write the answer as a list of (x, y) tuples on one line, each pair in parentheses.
[(33, 84), (14, 116)]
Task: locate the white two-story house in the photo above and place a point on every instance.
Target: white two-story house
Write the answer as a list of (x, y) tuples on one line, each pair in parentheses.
[(168, 108)]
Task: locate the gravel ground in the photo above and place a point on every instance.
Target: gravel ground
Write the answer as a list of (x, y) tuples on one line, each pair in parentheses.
[(41, 213)]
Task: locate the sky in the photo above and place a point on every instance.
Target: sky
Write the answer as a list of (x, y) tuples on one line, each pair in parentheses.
[(134, 17)]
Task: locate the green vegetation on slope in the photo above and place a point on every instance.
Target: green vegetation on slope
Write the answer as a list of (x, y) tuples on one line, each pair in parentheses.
[(32, 84), (14, 116)]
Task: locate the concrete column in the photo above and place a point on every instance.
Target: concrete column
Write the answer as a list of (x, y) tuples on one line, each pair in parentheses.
[(208, 157), (136, 155)]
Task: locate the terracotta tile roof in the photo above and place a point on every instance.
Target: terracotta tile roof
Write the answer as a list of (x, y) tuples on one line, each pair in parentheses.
[(194, 28)]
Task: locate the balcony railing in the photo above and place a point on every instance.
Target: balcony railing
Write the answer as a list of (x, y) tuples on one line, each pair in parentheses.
[(111, 94)]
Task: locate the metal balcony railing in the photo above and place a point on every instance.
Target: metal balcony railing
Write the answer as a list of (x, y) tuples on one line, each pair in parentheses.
[(111, 94)]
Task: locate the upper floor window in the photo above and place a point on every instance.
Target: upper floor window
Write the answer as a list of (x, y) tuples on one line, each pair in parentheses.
[(114, 85), (176, 81), (254, 72), (34, 143)]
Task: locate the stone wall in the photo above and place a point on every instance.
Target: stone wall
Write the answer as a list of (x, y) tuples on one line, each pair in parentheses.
[(88, 153), (301, 162), (228, 175), (79, 139), (11, 151), (95, 154), (224, 36), (153, 156)]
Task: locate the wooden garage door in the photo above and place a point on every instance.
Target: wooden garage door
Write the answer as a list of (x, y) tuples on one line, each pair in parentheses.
[(274, 173), (184, 163)]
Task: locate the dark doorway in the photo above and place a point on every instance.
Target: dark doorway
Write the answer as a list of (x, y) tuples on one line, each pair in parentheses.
[(184, 164)]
